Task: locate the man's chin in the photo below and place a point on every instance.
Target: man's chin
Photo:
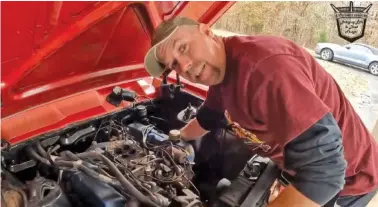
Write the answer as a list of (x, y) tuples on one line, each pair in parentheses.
[(210, 82)]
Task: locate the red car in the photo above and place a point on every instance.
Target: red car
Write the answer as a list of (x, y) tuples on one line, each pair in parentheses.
[(83, 124)]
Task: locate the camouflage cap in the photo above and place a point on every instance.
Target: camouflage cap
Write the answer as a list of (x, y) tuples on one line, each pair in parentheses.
[(162, 33)]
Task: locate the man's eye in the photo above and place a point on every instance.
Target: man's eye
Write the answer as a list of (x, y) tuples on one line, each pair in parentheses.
[(182, 48), (174, 65)]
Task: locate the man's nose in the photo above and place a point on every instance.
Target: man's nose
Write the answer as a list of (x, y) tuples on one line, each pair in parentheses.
[(184, 63)]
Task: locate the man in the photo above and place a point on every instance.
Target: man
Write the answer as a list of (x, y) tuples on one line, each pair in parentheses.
[(282, 102)]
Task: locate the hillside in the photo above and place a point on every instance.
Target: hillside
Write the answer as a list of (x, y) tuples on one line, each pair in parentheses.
[(303, 22)]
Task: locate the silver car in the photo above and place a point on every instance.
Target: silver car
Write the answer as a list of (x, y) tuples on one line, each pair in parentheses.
[(356, 54)]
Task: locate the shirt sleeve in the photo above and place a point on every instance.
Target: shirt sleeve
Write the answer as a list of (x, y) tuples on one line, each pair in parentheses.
[(296, 118), (317, 156), (210, 114)]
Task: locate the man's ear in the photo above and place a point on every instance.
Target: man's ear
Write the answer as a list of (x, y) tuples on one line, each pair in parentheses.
[(205, 29)]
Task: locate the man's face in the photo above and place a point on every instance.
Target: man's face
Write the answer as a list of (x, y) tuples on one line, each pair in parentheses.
[(195, 54)]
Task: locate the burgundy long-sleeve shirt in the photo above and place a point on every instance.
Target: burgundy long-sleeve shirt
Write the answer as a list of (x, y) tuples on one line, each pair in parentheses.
[(277, 90)]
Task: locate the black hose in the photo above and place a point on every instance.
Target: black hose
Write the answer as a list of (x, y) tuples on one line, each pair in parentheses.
[(36, 156), (87, 171), (41, 150), (126, 184), (139, 184), (44, 153), (69, 164), (54, 149), (70, 155), (73, 157)]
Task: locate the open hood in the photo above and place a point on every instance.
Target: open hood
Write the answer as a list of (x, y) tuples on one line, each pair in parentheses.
[(59, 60), (55, 49)]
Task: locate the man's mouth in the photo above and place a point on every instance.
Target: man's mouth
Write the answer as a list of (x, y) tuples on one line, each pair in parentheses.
[(200, 72)]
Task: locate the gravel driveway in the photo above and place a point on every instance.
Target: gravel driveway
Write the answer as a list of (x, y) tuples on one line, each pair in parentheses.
[(359, 86)]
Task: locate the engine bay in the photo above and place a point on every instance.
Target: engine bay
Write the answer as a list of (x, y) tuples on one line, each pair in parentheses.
[(134, 157)]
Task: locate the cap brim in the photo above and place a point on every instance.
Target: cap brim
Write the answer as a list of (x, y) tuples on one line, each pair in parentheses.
[(152, 66)]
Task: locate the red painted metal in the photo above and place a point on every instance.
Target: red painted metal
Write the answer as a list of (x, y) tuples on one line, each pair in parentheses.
[(59, 59), (65, 111), (79, 107)]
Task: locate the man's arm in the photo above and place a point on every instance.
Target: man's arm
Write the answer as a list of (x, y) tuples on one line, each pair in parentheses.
[(209, 116), (286, 99), (317, 158), (206, 120), (192, 131)]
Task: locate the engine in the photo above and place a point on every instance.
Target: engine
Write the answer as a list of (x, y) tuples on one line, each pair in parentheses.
[(128, 163), (133, 157)]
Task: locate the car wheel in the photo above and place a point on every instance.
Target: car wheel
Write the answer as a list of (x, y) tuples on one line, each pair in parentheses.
[(326, 54), (373, 68)]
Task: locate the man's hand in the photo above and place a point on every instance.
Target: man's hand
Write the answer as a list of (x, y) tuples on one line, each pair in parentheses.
[(192, 131), (291, 197)]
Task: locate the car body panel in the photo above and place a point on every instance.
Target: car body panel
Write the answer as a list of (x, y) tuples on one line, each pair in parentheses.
[(59, 59), (358, 54)]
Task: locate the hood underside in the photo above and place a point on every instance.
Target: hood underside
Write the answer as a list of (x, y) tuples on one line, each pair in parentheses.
[(52, 50)]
